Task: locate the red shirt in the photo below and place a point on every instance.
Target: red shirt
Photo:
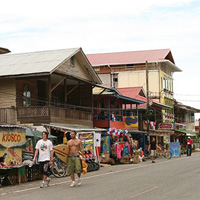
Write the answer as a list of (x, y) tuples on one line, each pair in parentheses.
[(189, 141)]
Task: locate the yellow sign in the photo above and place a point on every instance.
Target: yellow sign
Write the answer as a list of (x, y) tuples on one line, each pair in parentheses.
[(131, 122), (11, 139)]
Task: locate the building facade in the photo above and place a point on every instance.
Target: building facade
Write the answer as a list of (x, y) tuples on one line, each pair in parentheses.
[(128, 69), (47, 87)]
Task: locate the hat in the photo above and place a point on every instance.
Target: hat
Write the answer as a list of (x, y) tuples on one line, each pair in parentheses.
[(189, 137)]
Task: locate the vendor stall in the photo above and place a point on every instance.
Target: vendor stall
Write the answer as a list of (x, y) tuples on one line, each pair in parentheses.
[(12, 142), (118, 146)]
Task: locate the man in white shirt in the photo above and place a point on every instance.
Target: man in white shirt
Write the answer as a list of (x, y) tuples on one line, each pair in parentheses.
[(45, 149)]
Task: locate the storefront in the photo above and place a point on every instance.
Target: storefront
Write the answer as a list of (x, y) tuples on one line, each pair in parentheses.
[(12, 143), (120, 146)]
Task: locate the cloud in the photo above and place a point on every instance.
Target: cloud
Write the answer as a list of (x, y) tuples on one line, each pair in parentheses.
[(103, 26)]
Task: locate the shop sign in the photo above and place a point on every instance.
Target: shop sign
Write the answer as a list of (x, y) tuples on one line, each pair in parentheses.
[(10, 139), (174, 148), (167, 139), (165, 125), (131, 122), (87, 140)]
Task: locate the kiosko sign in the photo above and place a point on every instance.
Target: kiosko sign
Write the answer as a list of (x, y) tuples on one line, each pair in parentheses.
[(11, 139)]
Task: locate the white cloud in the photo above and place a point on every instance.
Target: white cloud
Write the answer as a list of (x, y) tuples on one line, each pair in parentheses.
[(107, 26)]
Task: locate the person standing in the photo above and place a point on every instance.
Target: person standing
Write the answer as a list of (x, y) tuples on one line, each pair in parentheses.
[(74, 162), (152, 147), (65, 138), (45, 149), (189, 146)]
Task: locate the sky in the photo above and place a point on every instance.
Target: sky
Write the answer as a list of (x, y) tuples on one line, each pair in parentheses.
[(110, 26)]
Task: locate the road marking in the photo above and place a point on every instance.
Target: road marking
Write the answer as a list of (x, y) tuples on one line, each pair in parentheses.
[(144, 192), (99, 175)]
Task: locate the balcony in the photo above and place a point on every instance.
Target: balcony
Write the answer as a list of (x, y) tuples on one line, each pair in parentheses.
[(38, 115), (102, 121)]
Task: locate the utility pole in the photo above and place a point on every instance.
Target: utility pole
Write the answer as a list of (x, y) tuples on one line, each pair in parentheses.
[(147, 90)]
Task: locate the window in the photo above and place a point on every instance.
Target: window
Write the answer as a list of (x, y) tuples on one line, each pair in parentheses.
[(130, 66), (26, 96), (115, 79), (72, 61)]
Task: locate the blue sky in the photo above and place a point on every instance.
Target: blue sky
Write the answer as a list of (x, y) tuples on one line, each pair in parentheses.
[(104, 26)]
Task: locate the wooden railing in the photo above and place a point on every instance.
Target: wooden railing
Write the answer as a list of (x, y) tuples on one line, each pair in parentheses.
[(7, 116), (35, 111), (53, 111)]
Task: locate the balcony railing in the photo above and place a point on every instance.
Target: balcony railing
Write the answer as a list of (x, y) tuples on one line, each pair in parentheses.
[(51, 111)]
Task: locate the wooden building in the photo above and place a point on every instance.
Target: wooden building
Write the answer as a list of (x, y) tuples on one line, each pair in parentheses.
[(47, 87), (109, 110)]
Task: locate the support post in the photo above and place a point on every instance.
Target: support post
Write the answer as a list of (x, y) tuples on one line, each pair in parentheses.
[(147, 91), (49, 90)]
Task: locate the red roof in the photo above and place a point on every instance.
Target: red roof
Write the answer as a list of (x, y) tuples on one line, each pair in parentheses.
[(133, 92), (130, 57)]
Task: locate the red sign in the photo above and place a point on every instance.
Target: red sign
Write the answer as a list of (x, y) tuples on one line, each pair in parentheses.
[(165, 125)]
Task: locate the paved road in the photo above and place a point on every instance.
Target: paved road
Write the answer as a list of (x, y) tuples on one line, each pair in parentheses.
[(178, 178)]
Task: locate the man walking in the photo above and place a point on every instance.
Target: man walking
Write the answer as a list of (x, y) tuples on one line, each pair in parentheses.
[(45, 149), (189, 146), (74, 162), (153, 146)]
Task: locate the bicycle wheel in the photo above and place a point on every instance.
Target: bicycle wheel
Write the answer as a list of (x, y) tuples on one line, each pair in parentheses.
[(58, 170), (97, 166), (168, 155)]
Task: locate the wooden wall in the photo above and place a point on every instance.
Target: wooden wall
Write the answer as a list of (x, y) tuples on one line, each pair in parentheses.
[(7, 93), (20, 83)]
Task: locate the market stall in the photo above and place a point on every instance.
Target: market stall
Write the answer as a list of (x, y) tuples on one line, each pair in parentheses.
[(118, 146), (12, 142)]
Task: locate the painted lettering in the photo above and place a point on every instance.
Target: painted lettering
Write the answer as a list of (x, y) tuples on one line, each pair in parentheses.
[(11, 137), (4, 138)]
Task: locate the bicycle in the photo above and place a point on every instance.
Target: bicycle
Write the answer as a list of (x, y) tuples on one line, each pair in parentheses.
[(164, 153)]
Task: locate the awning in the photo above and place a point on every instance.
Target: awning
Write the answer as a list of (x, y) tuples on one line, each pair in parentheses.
[(186, 132), (69, 127), (39, 135), (137, 132)]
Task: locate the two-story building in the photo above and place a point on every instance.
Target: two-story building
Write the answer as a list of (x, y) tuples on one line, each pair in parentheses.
[(47, 87), (184, 122), (128, 69)]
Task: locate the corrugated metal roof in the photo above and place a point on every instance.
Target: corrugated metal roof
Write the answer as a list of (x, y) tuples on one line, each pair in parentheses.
[(132, 92), (34, 62), (132, 57)]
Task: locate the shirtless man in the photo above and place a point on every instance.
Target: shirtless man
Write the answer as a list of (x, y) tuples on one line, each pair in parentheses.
[(74, 163)]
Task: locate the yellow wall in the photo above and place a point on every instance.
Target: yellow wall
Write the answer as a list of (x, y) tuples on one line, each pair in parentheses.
[(138, 78)]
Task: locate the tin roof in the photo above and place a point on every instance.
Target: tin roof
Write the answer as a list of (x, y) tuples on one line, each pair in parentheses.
[(132, 57), (135, 92), (39, 62), (4, 50)]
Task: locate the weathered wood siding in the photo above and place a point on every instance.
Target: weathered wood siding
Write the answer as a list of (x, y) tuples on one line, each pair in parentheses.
[(78, 70), (20, 83), (7, 93)]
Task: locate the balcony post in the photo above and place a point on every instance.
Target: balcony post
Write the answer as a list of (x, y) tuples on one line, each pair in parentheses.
[(108, 112), (49, 90)]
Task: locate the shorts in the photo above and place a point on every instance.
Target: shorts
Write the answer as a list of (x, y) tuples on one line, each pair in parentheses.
[(45, 168), (153, 153), (74, 165)]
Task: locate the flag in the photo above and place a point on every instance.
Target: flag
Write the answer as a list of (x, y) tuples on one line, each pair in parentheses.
[(97, 144)]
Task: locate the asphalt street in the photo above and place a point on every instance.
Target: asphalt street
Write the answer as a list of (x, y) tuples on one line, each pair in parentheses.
[(177, 178)]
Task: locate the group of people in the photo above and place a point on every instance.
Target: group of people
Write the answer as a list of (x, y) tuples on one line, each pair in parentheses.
[(44, 148)]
